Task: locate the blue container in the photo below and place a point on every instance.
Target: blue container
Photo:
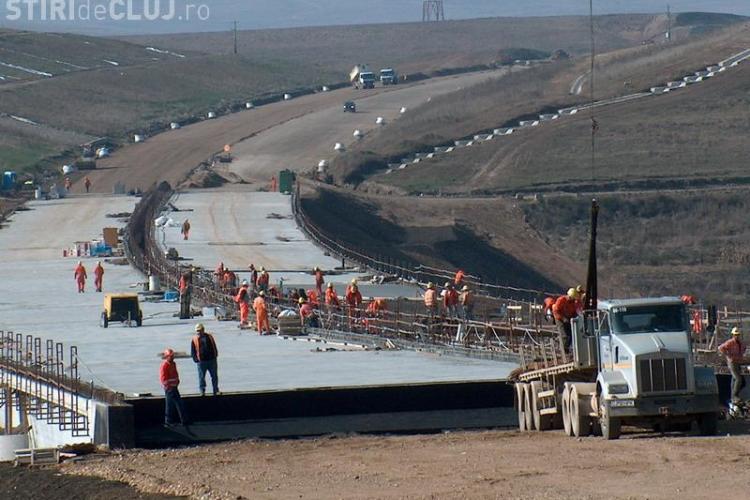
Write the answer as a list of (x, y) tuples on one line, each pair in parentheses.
[(171, 296), (9, 179)]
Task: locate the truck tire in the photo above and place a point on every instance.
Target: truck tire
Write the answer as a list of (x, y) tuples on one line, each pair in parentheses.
[(579, 419), (104, 321), (611, 427), (528, 408), (541, 422), (520, 400), (708, 424), (566, 411)]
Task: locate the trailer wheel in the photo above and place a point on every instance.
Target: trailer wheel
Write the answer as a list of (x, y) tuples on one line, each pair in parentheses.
[(528, 408), (708, 424), (104, 322), (611, 427), (520, 400), (566, 411), (541, 422), (579, 422)]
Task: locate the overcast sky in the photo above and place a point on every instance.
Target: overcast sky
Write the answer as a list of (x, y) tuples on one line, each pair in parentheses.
[(215, 15)]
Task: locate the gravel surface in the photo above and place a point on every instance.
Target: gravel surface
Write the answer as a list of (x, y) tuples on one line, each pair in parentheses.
[(489, 464)]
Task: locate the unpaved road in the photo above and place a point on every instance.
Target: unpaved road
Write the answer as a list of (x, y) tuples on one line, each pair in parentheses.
[(489, 464), (169, 156)]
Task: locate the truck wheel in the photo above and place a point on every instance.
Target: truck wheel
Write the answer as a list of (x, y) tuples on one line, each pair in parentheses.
[(611, 427), (104, 321), (529, 409), (566, 411), (520, 400), (708, 424), (579, 422), (541, 422)]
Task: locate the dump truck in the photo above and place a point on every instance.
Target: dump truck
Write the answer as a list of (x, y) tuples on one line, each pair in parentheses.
[(631, 363), (388, 76), (361, 77)]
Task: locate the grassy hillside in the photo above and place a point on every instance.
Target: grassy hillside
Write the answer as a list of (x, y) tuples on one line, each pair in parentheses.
[(664, 137)]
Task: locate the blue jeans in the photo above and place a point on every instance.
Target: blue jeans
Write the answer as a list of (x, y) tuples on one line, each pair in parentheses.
[(211, 368), (173, 403)]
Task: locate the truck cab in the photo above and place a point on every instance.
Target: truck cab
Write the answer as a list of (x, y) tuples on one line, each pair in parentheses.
[(367, 80), (645, 372), (388, 76)]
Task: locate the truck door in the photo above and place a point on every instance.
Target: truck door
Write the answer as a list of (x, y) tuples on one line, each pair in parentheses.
[(606, 356)]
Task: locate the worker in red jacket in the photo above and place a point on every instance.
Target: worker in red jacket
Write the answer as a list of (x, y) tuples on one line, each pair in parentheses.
[(185, 229), (170, 380), (80, 276), (98, 276), (263, 280), (242, 299), (566, 308), (332, 298), (450, 300)]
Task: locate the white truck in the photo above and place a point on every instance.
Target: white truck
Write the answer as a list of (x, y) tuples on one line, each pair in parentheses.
[(632, 363), (361, 77), (388, 76)]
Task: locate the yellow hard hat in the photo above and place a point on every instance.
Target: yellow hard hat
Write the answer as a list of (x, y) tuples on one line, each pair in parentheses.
[(262, 293), (354, 281), (430, 285), (302, 300), (465, 289), (330, 285), (447, 284), (736, 331), (573, 293), (199, 327)]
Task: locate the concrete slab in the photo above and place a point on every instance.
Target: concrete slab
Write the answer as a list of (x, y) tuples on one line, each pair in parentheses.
[(39, 297)]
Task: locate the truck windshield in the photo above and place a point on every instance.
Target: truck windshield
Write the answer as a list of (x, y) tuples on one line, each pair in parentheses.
[(646, 319), (368, 76)]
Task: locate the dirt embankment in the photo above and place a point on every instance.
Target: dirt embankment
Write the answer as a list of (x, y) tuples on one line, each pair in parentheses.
[(488, 464), (487, 237)]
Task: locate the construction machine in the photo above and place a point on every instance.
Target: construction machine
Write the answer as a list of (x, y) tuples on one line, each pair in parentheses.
[(631, 363), (388, 76), (122, 307)]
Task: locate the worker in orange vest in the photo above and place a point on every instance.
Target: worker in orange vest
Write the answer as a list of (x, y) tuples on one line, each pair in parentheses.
[(431, 300), (566, 308), (319, 281), (185, 229), (549, 302), (353, 300), (332, 299), (242, 299), (98, 276), (80, 276), (467, 303), (261, 314), (186, 293), (274, 185), (205, 354)]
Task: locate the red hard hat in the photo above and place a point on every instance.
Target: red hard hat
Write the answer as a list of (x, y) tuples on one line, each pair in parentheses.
[(168, 353)]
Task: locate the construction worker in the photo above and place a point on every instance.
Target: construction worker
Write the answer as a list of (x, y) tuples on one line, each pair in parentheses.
[(566, 308), (253, 276), (219, 275), (261, 314), (307, 314), (458, 281), (450, 300), (186, 292), (263, 280), (353, 301), (734, 350), (80, 276), (68, 184), (242, 299), (332, 298), (87, 183), (274, 184), (319, 281), (185, 229), (467, 303), (431, 300), (170, 380), (375, 311), (98, 276), (549, 302), (205, 354)]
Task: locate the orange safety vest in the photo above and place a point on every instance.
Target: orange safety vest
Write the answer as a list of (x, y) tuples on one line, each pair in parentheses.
[(197, 345)]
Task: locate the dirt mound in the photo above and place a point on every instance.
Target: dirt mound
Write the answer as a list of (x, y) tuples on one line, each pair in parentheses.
[(205, 177)]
